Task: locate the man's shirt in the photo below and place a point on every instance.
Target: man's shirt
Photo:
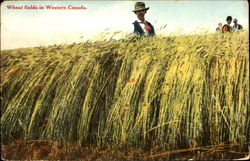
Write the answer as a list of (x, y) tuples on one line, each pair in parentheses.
[(218, 29), (142, 26), (231, 27), (237, 27)]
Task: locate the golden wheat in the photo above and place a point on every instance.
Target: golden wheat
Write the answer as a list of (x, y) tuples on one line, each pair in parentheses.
[(172, 91)]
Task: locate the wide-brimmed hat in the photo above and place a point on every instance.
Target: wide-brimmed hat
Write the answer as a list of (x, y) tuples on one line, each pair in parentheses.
[(140, 6)]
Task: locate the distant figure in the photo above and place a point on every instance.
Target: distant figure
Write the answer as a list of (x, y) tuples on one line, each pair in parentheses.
[(229, 21), (142, 27), (226, 28), (236, 26), (218, 29)]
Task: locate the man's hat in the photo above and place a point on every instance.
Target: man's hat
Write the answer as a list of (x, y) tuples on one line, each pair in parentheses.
[(229, 18), (235, 20), (140, 6)]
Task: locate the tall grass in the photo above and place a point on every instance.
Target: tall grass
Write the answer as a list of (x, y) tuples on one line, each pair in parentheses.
[(168, 91)]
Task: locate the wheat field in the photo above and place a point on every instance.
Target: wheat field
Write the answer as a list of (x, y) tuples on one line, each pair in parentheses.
[(175, 92)]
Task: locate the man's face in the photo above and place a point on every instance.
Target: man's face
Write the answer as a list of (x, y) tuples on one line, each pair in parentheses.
[(220, 25), (235, 22), (140, 14), (229, 21)]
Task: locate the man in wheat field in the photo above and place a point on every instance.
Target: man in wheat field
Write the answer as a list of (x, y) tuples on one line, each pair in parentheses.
[(141, 26), (229, 21), (218, 29), (236, 26)]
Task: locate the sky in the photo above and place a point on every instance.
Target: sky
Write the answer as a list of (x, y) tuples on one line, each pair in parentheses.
[(28, 28)]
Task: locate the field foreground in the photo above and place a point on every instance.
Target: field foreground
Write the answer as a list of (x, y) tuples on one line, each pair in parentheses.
[(129, 98), (44, 150)]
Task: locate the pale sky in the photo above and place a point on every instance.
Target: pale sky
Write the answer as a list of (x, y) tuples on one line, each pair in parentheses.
[(29, 28)]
